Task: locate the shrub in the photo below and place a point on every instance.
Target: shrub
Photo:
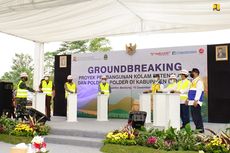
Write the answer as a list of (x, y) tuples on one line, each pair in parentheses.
[(6, 125)]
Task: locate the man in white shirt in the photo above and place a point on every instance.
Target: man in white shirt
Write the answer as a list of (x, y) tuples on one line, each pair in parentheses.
[(195, 99)]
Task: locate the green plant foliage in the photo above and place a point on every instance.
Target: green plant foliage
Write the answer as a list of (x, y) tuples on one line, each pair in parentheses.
[(7, 125), (180, 140)]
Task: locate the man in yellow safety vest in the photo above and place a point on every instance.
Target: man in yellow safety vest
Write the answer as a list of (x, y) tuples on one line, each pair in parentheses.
[(157, 86), (182, 88), (104, 87), (21, 96), (70, 86), (172, 86), (47, 87), (196, 98)]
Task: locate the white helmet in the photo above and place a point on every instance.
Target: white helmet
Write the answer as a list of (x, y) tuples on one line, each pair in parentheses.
[(47, 75), (69, 77), (172, 76), (185, 72), (104, 77), (23, 74)]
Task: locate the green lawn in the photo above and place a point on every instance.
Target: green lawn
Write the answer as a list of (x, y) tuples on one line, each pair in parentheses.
[(111, 148), (14, 139)]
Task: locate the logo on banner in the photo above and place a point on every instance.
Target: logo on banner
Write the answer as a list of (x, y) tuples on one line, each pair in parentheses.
[(201, 50), (131, 49), (183, 52), (161, 53)]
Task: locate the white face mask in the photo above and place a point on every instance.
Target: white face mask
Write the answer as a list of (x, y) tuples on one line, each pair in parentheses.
[(103, 81), (155, 80), (171, 81)]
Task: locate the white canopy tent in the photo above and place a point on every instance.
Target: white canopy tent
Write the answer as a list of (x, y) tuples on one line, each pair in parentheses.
[(68, 20)]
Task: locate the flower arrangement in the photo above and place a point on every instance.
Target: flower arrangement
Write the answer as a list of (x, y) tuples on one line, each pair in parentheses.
[(22, 129), (152, 140), (27, 129), (217, 143), (171, 139), (126, 136), (39, 144)]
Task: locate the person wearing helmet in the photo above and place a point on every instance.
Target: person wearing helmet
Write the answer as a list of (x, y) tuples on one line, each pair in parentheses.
[(157, 86), (104, 86), (46, 86), (70, 86), (172, 86), (182, 88), (21, 96)]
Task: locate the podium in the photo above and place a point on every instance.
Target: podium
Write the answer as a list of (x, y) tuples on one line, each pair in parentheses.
[(39, 102), (102, 107), (166, 110), (72, 108), (145, 105)]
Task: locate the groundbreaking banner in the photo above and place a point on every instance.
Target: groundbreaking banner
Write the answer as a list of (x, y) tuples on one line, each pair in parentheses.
[(130, 75)]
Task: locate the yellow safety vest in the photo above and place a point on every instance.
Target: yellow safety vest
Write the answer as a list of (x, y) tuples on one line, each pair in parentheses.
[(183, 86), (192, 90), (71, 87), (105, 88), (172, 85), (21, 93), (47, 88), (156, 87)]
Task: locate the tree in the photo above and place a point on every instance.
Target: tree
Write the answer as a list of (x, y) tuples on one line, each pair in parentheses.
[(21, 63), (81, 46)]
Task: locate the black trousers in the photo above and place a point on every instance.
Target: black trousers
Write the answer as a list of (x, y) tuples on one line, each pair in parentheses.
[(48, 107), (184, 114), (197, 118)]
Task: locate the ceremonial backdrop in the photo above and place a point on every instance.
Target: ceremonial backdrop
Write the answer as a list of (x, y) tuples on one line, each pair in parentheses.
[(130, 75)]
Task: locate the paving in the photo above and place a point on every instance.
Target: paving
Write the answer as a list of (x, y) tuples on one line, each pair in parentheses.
[(55, 148)]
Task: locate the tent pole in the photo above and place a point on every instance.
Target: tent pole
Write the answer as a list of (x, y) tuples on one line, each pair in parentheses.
[(38, 64)]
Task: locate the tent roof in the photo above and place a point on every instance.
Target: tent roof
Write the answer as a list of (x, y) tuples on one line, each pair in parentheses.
[(69, 20)]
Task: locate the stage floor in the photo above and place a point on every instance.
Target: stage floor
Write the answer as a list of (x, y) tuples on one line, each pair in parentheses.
[(91, 125)]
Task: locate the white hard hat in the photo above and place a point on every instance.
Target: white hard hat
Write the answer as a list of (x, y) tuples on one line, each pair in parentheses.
[(23, 74), (172, 76), (185, 72), (104, 77), (69, 77), (47, 75)]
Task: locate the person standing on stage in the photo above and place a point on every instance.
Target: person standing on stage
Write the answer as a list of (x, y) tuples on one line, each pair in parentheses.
[(21, 96), (104, 86), (70, 86), (172, 86), (195, 98), (157, 86), (182, 88), (47, 87)]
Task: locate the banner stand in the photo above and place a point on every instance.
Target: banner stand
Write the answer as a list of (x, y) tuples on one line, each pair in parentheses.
[(102, 107), (72, 108), (145, 105), (39, 102), (166, 112)]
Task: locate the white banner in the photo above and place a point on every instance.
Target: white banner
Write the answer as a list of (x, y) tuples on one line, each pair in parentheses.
[(130, 75)]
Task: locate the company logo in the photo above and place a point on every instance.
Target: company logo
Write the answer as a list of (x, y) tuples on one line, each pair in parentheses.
[(183, 52), (201, 50), (161, 53)]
